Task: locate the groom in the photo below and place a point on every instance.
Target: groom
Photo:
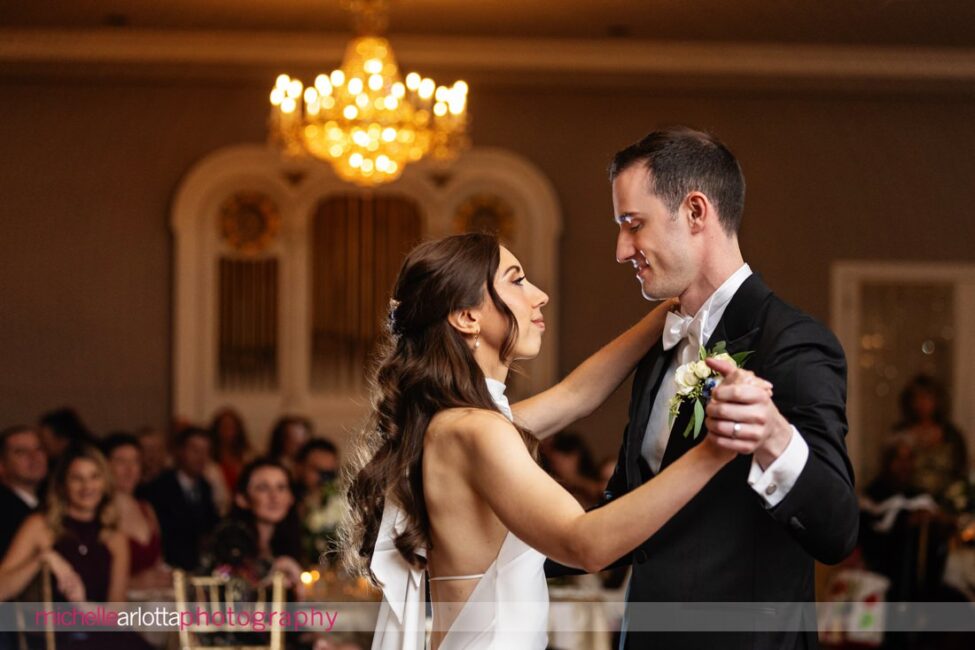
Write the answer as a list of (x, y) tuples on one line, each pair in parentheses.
[(753, 532)]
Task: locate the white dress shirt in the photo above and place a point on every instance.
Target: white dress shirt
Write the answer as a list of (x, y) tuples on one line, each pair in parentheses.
[(774, 482), (25, 496)]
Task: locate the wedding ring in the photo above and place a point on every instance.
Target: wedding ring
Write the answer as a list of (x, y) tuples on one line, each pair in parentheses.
[(735, 430)]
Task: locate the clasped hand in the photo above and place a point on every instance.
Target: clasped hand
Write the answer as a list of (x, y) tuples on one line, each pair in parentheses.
[(68, 581), (742, 417)]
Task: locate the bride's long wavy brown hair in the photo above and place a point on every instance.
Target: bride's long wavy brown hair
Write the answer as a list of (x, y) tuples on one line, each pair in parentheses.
[(424, 366)]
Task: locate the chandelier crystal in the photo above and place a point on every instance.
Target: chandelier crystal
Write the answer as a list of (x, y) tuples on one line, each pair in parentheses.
[(364, 118)]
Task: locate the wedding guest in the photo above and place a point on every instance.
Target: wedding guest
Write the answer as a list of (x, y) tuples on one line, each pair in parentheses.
[(61, 428), (891, 519), (136, 518), (232, 447), (23, 468), (567, 457), (941, 458), (904, 536), (76, 534), (155, 453), (219, 490), (183, 500), (316, 463), (262, 533), (288, 435), (320, 504)]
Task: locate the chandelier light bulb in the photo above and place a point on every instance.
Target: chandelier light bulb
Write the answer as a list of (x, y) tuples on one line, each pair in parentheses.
[(323, 84), (373, 66), (427, 87)]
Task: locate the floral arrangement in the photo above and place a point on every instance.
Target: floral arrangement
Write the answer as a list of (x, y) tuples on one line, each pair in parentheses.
[(695, 381), (324, 510)]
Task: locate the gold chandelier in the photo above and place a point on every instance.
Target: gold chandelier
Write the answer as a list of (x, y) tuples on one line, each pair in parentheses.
[(364, 118)]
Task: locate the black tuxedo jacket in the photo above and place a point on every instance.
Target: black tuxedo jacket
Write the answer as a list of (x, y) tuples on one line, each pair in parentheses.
[(15, 511), (182, 523), (725, 545)]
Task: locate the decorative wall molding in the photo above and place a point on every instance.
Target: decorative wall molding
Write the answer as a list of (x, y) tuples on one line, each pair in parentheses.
[(496, 55), (439, 192), (846, 281)]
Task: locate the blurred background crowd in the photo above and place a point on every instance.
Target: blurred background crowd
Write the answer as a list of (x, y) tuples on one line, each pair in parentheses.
[(114, 514)]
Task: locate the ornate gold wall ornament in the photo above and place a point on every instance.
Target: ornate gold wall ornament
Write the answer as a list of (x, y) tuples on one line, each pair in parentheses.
[(249, 222), (486, 213)]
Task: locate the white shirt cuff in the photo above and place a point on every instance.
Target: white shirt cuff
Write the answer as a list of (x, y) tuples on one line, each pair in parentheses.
[(775, 482)]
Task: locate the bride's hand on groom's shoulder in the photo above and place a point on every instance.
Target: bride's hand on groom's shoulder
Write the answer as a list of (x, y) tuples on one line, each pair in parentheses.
[(658, 315), (742, 417), (668, 305)]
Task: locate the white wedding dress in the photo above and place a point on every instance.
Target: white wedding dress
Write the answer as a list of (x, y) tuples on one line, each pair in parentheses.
[(508, 608)]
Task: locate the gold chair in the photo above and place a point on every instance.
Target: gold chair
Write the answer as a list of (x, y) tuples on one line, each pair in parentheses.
[(30, 594), (217, 594)]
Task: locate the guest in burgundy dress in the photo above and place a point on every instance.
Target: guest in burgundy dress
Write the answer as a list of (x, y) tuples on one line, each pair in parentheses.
[(77, 534), (137, 519)]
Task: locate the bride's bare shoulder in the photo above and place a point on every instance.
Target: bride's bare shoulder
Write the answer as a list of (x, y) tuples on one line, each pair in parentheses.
[(468, 427)]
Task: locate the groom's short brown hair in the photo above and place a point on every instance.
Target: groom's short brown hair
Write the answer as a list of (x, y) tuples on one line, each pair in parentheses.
[(680, 160)]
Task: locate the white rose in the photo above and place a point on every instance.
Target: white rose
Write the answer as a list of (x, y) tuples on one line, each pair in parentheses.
[(724, 356), (686, 379), (701, 369)]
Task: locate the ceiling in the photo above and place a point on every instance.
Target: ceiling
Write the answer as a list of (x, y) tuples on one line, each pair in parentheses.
[(946, 23)]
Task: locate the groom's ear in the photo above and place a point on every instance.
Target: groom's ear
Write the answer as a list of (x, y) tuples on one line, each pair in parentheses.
[(699, 211), (465, 321)]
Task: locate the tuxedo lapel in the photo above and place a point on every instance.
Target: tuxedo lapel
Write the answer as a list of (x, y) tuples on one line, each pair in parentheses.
[(738, 328), (742, 315), (648, 383)]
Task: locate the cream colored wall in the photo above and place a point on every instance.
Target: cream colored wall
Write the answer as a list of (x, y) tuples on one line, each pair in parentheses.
[(89, 167)]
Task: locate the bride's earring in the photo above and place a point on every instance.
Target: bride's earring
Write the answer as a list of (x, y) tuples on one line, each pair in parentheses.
[(477, 341)]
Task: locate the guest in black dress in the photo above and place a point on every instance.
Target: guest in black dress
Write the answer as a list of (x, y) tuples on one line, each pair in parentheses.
[(263, 532)]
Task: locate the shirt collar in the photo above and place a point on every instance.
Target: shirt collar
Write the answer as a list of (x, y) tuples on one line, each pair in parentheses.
[(497, 388), (713, 308), (186, 482), (25, 496)]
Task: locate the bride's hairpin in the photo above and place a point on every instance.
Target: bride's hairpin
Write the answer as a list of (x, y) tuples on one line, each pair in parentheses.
[(394, 327)]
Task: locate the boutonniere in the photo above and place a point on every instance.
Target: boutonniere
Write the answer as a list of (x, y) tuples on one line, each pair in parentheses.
[(695, 381)]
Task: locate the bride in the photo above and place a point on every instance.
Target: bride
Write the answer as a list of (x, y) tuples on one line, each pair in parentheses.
[(446, 486)]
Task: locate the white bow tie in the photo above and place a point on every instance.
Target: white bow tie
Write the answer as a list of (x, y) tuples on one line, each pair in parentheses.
[(679, 327)]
